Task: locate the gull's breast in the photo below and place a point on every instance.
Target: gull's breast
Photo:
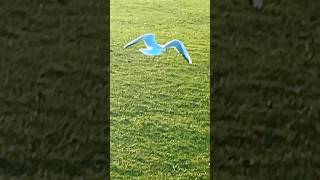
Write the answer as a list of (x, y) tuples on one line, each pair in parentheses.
[(152, 51)]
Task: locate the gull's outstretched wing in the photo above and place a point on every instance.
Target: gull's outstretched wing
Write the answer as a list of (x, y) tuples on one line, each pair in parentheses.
[(149, 41), (178, 45)]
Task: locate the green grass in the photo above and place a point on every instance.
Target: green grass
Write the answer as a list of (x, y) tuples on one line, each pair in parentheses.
[(160, 109)]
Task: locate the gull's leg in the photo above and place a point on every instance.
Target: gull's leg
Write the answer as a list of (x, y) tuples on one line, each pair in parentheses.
[(153, 58)]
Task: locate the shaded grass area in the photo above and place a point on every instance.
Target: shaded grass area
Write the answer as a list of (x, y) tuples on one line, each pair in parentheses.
[(266, 92), (53, 82), (160, 108)]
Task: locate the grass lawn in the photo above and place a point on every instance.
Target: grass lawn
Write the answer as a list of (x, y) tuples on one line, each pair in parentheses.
[(160, 109)]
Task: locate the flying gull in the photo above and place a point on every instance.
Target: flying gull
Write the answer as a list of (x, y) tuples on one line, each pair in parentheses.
[(154, 49)]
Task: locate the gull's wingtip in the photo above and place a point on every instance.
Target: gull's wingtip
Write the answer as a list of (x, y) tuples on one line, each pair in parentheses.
[(127, 45)]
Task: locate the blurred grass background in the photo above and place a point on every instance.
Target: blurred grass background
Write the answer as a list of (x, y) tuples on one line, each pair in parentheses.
[(53, 89), (266, 75), (266, 90), (160, 109)]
